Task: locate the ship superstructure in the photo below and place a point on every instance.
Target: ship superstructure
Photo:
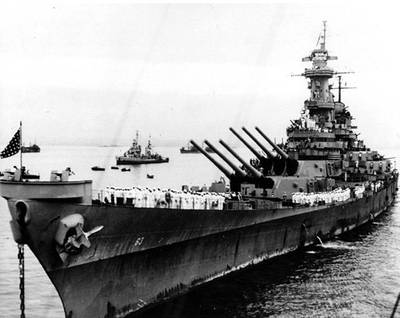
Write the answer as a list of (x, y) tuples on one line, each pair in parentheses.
[(324, 130), (322, 149)]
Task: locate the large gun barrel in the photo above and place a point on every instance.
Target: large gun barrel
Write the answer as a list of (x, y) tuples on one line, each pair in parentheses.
[(215, 162), (253, 171), (278, 150), (255, 152), (269, 153), (239, 171)]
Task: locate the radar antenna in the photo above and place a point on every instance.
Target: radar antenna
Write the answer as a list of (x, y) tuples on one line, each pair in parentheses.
[(316, 54)]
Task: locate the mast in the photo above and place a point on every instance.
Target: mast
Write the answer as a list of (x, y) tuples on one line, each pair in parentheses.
[(321, 101), (323, 37), (20, 145)]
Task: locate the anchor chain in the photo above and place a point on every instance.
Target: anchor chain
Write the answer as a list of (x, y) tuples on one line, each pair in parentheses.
[(21, 265)]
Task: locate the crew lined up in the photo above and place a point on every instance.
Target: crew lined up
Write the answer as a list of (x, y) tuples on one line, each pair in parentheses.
[(313, 199), (161, 198), (376, 186), (337, 195)]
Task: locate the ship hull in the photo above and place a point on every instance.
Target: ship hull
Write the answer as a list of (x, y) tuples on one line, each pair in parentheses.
[(138, 161), (30, 149), (189, 151), (135, 262)]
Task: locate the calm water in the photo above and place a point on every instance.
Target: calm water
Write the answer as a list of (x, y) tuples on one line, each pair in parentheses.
[(356, 276)]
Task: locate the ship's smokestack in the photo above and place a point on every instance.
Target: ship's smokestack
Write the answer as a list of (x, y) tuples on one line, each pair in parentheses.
[(277, 149), (253, 171), (215, 162), (255, 152), (269, 153), (239, 171)]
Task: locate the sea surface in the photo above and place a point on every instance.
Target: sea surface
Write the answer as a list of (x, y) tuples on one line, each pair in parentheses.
[(358, 275)]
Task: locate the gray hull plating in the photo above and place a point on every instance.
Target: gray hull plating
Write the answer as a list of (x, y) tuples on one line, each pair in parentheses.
[(144, 256)]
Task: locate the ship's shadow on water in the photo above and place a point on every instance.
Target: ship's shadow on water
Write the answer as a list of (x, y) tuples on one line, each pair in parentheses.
[(262, 290)]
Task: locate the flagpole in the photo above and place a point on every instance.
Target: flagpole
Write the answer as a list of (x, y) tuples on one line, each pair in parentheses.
[(20, 145)]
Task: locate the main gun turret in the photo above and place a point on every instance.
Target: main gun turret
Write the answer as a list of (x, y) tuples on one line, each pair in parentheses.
[(265, 162), (255, 152), (251, 169), (283, 154), (259, 144), (248, 175)]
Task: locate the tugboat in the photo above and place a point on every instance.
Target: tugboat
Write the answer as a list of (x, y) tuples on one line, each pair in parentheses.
[(149, 245), (134, 155), (30, 148)]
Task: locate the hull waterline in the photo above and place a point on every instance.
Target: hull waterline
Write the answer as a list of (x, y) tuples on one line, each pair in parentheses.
[(134, 262)]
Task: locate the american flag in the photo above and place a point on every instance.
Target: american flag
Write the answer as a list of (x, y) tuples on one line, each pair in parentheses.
[(13, 146)]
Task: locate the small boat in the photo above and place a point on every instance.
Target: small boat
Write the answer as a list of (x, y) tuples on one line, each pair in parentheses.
[(125, 169), (114, 167), (150, 176), (97, 168)]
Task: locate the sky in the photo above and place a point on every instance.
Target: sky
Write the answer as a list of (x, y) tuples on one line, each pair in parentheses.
[(93, 73)]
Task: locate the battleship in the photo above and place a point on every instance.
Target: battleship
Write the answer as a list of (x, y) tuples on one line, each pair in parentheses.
[(134, 155), (120, 253)]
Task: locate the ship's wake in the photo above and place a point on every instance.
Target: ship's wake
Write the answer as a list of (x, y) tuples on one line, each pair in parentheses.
[(334, 245), (339, 245)]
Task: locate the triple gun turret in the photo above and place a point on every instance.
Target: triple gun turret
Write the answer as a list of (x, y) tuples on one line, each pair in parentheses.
[(260, 169)]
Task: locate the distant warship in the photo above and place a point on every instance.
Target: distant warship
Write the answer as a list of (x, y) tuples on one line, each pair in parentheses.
[(192, 149), (189, 149), (134, 155), (133, 247), (30, 148)]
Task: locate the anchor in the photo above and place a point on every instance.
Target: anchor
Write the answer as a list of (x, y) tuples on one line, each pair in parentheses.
[(71, 237)]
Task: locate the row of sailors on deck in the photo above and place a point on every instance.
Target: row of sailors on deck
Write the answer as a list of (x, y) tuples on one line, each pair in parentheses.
[(337, 195), (313, 199), (376, 186), (161, 198)]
